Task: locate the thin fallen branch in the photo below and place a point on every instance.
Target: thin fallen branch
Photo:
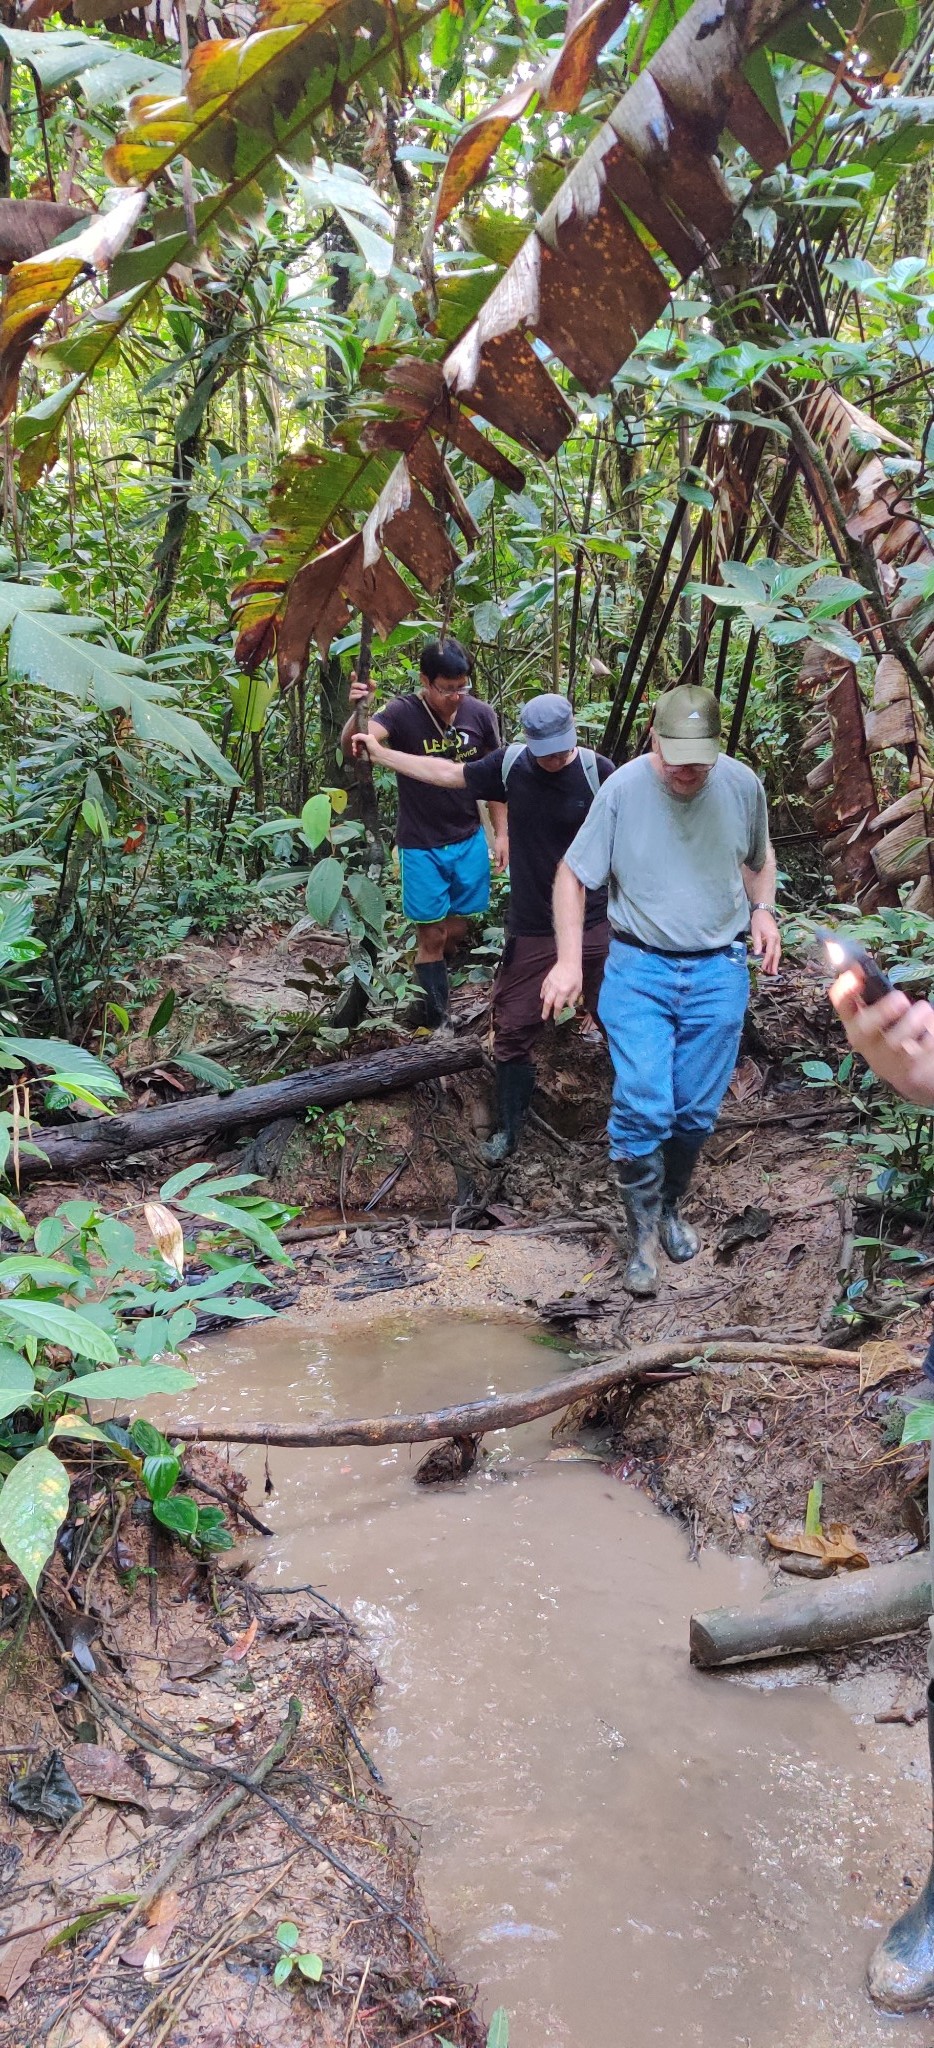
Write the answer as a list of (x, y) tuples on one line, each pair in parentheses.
[(501, 1411), (69, 1148)]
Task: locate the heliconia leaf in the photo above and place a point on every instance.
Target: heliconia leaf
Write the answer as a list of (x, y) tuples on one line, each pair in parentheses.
[(34, 288), (249, 99), (167, 1235), (33, 1506)]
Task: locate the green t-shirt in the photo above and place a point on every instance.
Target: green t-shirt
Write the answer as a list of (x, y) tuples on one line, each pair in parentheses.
[(673, 863)]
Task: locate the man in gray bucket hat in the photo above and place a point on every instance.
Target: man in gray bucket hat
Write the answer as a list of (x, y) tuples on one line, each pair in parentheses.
[(548, 784), (681, 834)]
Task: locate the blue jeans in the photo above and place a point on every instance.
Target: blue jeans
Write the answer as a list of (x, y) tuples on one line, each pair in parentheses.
[(674, 1026)]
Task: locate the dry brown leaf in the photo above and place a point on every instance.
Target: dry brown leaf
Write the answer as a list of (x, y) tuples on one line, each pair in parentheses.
[(193, 1659), (243, 1643), (18, 1959), (748, 1080), (166, 1232), (879, 1360), (146, 1952), (836, 1546), (101, 1773), (80, 2030)]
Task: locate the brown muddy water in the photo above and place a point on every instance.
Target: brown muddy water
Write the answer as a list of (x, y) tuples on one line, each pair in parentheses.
[(617, 1849)]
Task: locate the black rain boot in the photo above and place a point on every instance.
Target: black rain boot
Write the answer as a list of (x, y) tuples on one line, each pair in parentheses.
[(681, 1153), (901, 1971), (515, 1086), (640, 1184), (433, 976)]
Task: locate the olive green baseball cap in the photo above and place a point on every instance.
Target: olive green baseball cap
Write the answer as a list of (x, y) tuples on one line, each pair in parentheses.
[(687, 726)]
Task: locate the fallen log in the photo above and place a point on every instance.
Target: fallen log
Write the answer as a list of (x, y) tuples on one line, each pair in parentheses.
[(885, 1601), (70, 1148), (502, 1411)]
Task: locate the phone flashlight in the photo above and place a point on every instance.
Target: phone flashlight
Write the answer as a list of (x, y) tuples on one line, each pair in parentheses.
[(843, 953)]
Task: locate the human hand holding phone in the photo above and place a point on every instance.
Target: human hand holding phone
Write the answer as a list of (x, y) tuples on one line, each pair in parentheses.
[(892, 1034)]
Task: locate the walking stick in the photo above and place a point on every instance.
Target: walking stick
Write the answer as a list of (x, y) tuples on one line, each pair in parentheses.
[(363, 766)]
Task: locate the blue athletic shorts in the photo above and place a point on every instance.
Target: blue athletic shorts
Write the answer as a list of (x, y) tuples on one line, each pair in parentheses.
[(443, 879)]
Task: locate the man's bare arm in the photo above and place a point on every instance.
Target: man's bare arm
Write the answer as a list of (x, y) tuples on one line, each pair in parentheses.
[(563, 987), (760, 885), (418, 767)]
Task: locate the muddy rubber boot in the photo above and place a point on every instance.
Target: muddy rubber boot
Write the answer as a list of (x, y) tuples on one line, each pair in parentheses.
[(515, 1086), (433, 978), (640, 1184), (900, 1976), (680, 1154)]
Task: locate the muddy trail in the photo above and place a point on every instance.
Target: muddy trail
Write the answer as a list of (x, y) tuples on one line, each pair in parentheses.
[(493, 1674)]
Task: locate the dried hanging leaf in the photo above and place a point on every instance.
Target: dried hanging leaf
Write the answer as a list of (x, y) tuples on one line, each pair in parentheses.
[(34, 288), (837, 1546), (879, 1360), (167, 1235)]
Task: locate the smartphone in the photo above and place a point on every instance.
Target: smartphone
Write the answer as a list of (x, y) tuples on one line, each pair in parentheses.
[(842, 953)]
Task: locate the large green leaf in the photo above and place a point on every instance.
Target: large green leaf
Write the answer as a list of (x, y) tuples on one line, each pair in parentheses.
[(33, 1506), (64, 1059), (67, 652), (234, 1218), (51, 1324), (323, 890), (17, 1381), (101, 70), (339, 189), (131, 1383)]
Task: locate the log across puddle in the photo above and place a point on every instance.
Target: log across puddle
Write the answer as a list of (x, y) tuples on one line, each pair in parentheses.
[(617, 1848)]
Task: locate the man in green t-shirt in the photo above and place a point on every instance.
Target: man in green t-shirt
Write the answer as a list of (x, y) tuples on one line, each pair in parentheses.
[(682, 836)]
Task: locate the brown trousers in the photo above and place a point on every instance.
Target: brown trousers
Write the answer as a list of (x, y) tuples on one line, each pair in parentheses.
[(517, 990)]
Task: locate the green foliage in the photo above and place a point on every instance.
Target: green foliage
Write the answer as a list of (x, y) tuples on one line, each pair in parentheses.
[(291, 1958), (130, 1323)]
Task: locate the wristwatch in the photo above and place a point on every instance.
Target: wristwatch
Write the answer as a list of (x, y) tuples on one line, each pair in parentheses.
[(772, 908)]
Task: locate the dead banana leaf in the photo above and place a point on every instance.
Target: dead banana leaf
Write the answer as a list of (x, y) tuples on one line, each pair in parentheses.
[(836, 1546), (167, 1235), (879, 1360)]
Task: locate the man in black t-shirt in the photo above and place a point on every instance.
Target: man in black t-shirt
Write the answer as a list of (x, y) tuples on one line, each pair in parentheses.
[(548, 786), (442, 845)]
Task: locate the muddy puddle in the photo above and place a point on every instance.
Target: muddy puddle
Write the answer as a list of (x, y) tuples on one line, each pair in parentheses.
[(617, 1849)]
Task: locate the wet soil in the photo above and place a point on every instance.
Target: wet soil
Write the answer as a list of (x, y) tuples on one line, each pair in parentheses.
[(183, 1694)]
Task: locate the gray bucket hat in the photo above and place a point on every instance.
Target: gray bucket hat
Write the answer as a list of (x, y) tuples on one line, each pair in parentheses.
[(548, 725)]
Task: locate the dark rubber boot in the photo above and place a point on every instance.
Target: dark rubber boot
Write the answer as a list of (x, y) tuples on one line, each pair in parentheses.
[(433, 977), (640, 1184), (681, 1153), (901, 1971), (515, 1086)]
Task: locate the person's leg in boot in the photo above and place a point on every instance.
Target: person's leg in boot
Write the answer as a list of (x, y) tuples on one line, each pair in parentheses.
[(431, 973), (640, 1185), (901, 1970), (636, 1010), (681, 1153), (517, 1023), (713, 998)]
